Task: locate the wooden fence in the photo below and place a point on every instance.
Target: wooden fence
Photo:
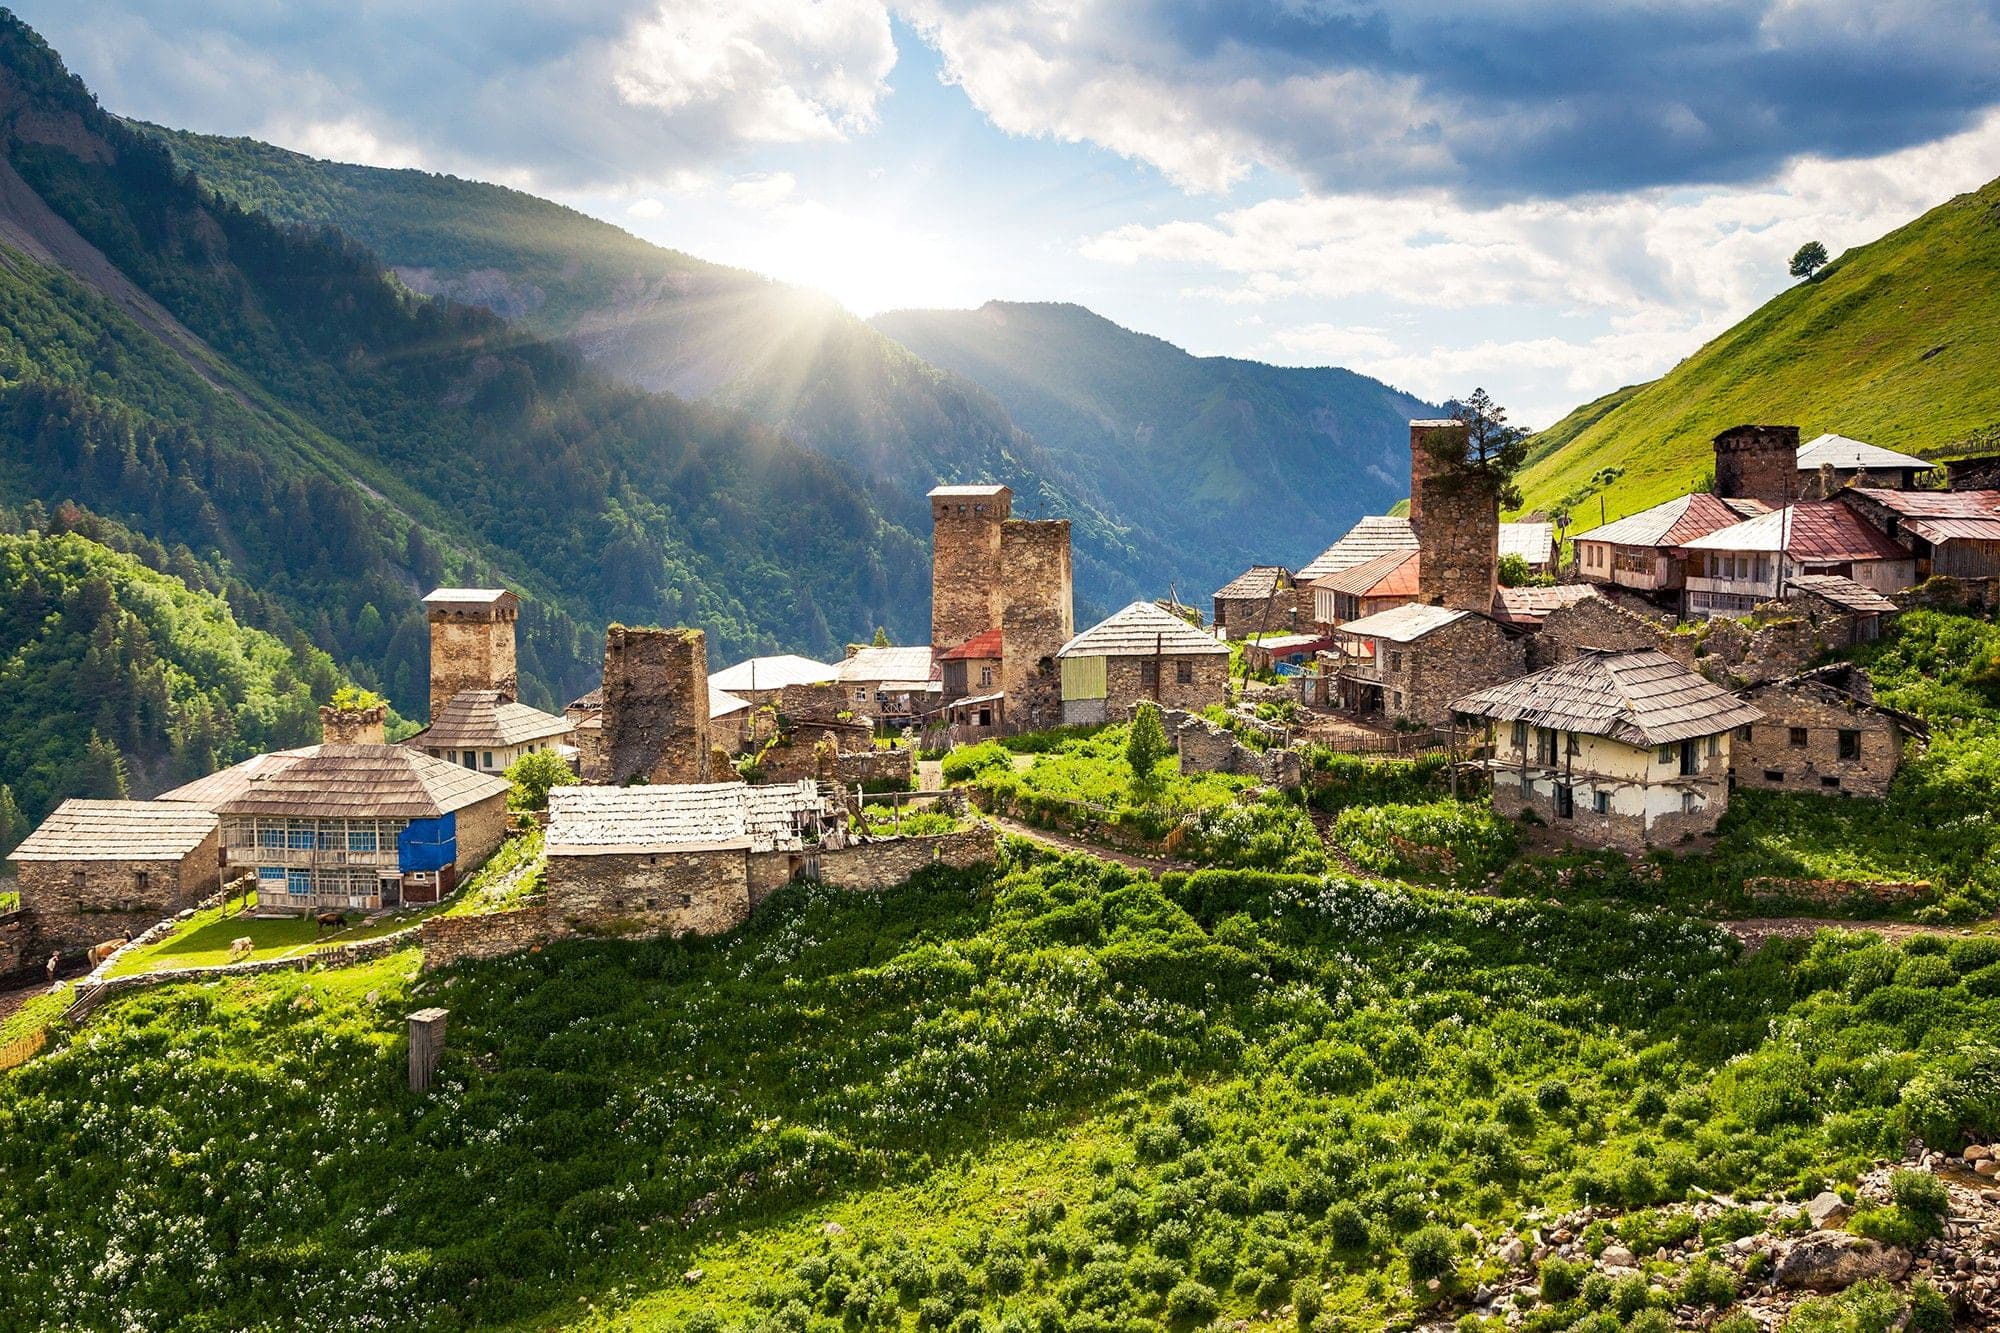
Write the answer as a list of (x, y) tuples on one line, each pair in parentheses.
[(23, 1048), (1394, 744)]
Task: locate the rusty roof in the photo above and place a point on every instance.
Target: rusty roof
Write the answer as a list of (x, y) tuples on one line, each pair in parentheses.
[(1932, 504), (1141, 630), (1819, 531), (1393, 574), (1843, 592), (1257, 581), (1638, 697), (486, 719), (1528, 606), (116, 831), (1373, 535), (341, 781), (1675, 522), (983, 646)]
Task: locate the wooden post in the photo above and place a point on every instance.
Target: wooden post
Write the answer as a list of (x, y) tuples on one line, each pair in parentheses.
[(426, 1047)]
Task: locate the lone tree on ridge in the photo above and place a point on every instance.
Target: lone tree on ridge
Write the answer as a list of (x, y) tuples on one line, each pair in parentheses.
[(1808, 259)]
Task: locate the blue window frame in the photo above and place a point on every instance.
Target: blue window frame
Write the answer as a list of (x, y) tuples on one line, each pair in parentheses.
[(298, 883), (270, 837), (361, 840), (300, 839)]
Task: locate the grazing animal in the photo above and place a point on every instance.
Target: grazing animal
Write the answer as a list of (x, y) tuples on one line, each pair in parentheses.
[(240, 947), (330, 919), (99, 952)]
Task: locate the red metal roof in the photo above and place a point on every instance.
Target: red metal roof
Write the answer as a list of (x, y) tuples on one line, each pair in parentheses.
[(984, 646), (1390, 575)]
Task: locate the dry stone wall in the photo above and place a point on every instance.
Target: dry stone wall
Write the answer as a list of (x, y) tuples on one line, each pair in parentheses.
[(454, 939), (872, 866), (655, 705), (648, 894), (1799, 744)]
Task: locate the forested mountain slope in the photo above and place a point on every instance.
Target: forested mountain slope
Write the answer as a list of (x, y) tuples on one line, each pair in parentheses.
[(1241, 454), (119, 679), (1895, 343), (659, 319), (268, 401)]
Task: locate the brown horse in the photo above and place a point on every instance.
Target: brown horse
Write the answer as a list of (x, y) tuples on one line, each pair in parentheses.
[(99, 952)]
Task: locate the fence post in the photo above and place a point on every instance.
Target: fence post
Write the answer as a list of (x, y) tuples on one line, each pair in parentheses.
[(426, 1047)]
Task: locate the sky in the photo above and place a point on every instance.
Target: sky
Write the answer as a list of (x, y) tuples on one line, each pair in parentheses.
[(1546, 198)]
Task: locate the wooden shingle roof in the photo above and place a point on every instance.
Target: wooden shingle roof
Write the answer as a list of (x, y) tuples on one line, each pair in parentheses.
[(1141, 630), (484, 719), (1844, 592), (1373, 535), (1257, 581), (341, 781), (1641, 697), (116, 831), (708, 816)]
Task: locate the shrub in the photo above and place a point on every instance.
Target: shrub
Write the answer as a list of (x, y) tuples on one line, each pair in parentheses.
[(1192, 1301), (1553, 1097), (1707, 1283), (1923, 1196), (1346, 1226), (1930, 1312), (1562, 1279), (963, 765), (1336, 1067), (1145, 746), (1455, 840), (1432, 1252)]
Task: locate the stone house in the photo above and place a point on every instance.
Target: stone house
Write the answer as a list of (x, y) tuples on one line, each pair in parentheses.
[(1140, 653), (1832, 461), (481, 729), (1842, 612), (1758, 463), (1734, 570), (102, 870), (1641, 551), (476, 719), (1597, 623), (1822, 731), (1388, 580), (352, 826), (1372, 536), (1260, 600), (990, 570), (1534, 542), (1526, 608), (892, 685), (689, 858), (1411, 662), (1955, 533), (973, 667), (1612, 749)]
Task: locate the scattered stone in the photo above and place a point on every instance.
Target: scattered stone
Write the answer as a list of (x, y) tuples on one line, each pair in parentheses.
[(1835, 1260), (833, 1229), (1513, 1252), (1825, 1209), (1617, 1256), (1978, 1152)]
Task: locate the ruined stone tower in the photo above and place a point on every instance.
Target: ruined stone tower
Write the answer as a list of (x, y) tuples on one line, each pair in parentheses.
[(1758, 463), (990, 570), (472, 642), (655, 716), (1457, 526), (353, 726)]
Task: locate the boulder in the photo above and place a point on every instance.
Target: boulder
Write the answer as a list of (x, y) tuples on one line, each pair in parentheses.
[(1513, 1252), (1978, 1152), (1825, 1209), (1835, 1260), (1617, 1256)]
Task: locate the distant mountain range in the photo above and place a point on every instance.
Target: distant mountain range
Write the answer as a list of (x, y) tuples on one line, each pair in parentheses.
[(1896, 342), (1175, 469)]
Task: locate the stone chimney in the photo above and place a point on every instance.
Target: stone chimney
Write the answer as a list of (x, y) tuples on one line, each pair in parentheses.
[(352, 726), (1457, 526), (1758, 463)]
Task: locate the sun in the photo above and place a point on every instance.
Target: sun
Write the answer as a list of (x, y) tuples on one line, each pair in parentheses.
[(868, 263)]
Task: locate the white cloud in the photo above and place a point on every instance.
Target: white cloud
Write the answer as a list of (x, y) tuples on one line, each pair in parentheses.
[(764, 190), (648, 207)]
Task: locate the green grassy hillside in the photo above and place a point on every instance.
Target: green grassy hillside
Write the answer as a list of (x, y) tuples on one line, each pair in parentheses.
[(268, 401), (1894, 343), (1302, 451)]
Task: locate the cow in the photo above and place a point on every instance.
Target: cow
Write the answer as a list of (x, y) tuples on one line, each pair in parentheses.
[(99, 952), (330, 919), (240, 947)]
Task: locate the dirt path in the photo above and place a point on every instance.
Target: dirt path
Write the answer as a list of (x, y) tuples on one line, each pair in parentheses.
[(1756, 931), (1063, 842)]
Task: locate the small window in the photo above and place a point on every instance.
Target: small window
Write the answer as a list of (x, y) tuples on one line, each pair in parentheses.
[(1545, 747), (1572, 744), (141, 879), (1688, 802), (1149, 675), (1520, 735), (1690, 759), (1184, 672), (652, 903), (1715, 747), (1774, 775), (1399, 700), (1565, 801), (1743, 733), (1799, 737), (360, 840), (1600, 801), (1666, 754), (986, 675), (680, 900), (1850, 745), (1830, 782), (1395, 661), (486, 759)]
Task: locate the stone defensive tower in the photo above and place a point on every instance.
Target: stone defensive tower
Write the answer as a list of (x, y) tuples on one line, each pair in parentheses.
[(1758, 463), (1457, 524), (990, 570), (655, 715), (965, 558), (472, 642)]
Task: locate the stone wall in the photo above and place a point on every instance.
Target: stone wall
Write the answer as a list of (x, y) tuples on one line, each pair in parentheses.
[(1124, 682), (1812, 761), (352, 726), (965, 552), (72, 905), (1457, 521), (1597, 623), (1468, 654), (1738, 653), (1206, 747), (873, 866), (875, 768), (655, 705), (647, 893), (1758, 463), (480, 830), (454, 939), (1833, 892), (1244, 616), (14, 954), (1031, 634), (471, 649)]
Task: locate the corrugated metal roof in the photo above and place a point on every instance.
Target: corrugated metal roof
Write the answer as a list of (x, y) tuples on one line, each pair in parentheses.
[(772, 673), (1403, 624), (1847, 455), (889, 664), (1257, 581), (116, 831), (1816, 530), (984, 647), (336, 781), (1533, 542), (482, 719), (1933, 504), (1141, 630), (1954, 529), (680, 817), (1391, 575), (1843, 592), (1641, 697), (1374, 535), (721, 703), (1674, 522)]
